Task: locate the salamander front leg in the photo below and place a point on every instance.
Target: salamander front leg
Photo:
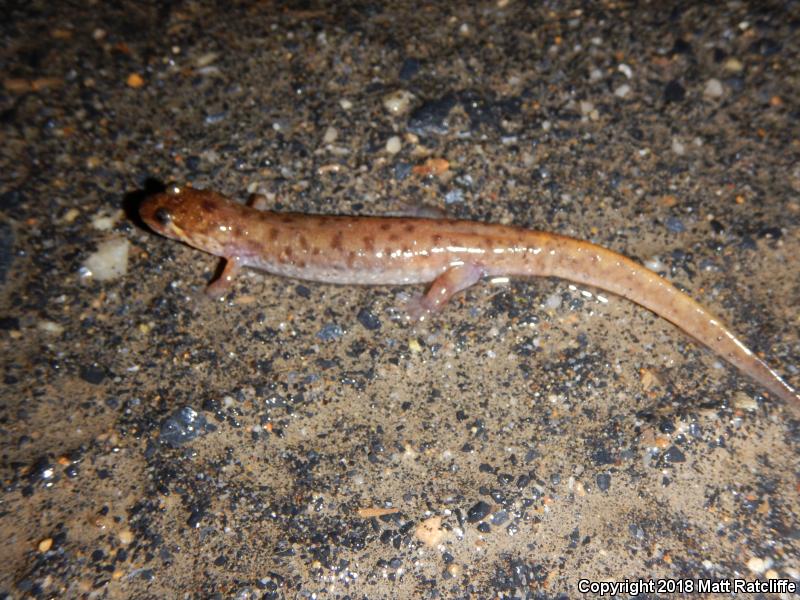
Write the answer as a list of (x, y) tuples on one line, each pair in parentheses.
[(222, 284), (442, 289)]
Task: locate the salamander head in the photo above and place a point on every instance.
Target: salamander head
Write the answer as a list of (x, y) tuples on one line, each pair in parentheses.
[(201, 218)]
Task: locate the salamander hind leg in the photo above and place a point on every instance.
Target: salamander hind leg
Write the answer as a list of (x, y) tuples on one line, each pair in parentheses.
[(444, 287), (222, 284)]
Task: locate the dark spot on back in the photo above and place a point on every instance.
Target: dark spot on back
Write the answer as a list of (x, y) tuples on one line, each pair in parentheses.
[(393, 237), (303, 240), (336, 242), (315, 251), (288, 251), (273, 233), (436, 239), (386, 226), (208, 206), (369, 242), (301, 264), (351, 258), (410, 227), (287, 219)]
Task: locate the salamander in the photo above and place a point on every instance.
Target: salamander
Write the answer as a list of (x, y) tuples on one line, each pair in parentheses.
[(449, 254)]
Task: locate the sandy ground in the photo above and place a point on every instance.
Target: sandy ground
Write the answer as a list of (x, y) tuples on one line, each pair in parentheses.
[(303, 440)]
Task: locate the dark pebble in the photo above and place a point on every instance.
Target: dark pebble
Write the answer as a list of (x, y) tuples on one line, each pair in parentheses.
[(675, 225), (220, 560), (6, 245), (194, 519), (603, 481), (193, 162), (774, 233), (93, 373), (478, 511), (674, 455), (182, 426), (9, 323), (368, 319), (431, 117), (484, 527), (330, 332), (409, 68), (215, 117), (302, 291), (674, 92), (97, 555)]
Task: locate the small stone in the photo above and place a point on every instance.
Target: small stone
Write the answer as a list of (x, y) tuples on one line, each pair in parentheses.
[(758, 565), (478, 511), (674, 455), (45, 545), (394, 145), (330, 135), (675, 225), (135, 80), (109, 261), (674, 92), (398, 102), (678, 147), (603, 481), (368, 319), (50, 327), (713, 89), (430, 532), (92, 373), (745, 402), (125, 536), (622, 91), (182, 426), (733, 65), (330, 332)]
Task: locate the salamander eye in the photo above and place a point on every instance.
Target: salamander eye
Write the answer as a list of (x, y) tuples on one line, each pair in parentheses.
[(163, 216)]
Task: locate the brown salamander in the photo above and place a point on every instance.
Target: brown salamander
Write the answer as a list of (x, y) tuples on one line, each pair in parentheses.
[(450, 254)]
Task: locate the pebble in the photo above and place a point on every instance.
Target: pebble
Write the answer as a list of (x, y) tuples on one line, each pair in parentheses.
[(109, 261), (478, 511), (182, 426), (398, 102), (368, 319), (394, 145), (622, 91), (713, 89), (758, 565), (135, 81), (733, 65), (675, 225), (330, 332), (45, 545), (674, 455), (330, 135), (6, 245), (674, 92), (603, 481), (431, 117)]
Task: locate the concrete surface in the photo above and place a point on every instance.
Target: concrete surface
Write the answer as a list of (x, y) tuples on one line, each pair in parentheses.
[(302, 440)]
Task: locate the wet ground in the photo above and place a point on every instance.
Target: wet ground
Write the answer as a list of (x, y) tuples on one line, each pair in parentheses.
[(303, 440)]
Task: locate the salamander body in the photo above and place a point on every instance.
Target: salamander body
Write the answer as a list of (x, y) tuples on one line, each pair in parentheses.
[(450, 254)]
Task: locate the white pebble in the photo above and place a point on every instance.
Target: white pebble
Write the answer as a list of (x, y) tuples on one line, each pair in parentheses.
[(553, 301), (713, 89), (394, 145), (345, 104), (50, 327), (595, 75), (586, 107), (330, 135), (625, 70), (622, 91), (759, 565), (678, 147), (109, 261), (398, 102)]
